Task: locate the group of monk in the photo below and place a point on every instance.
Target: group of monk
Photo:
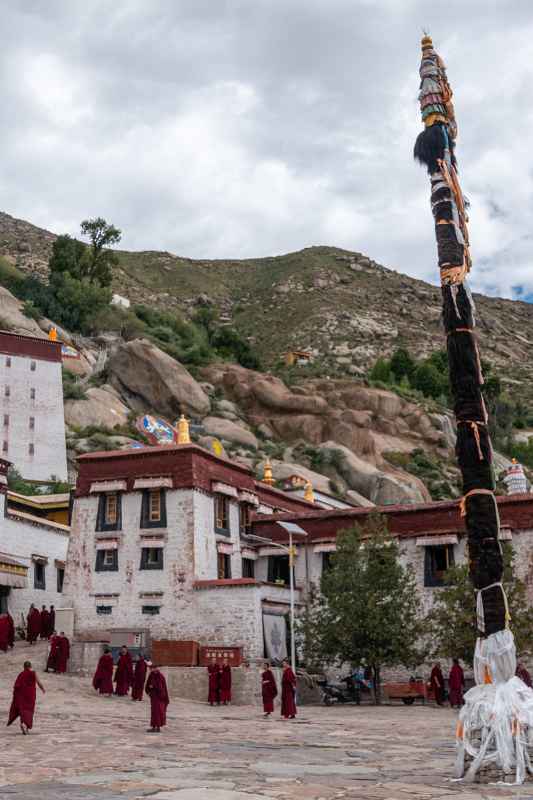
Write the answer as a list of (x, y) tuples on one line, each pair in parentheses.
[(59, 653), (219, 682), (270, 691), (456, 682), (40, 624), (128, 675), (7, 632)]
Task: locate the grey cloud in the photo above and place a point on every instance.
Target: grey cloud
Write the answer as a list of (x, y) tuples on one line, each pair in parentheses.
[(251, 127)]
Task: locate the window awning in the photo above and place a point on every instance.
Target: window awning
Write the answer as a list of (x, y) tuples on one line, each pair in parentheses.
[(325, 547), (153, 483), (107, 544), (152, 541), (223, 547), (275, 551), (39, 559), (13, 573), (248, 497), (506, 534), (224, 488), (108, 486), (431, 541)]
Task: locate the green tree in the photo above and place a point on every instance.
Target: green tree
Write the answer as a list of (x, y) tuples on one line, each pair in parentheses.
[(98, 267), (451, 622), (381, 371), (67, 256), (367, 608), (428, 380), (402, 364)]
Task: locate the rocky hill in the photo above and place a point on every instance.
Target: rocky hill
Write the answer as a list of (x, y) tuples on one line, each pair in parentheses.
[(326, 423)]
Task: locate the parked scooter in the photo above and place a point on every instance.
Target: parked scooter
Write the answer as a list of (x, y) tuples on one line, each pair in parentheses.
[(343, 690)]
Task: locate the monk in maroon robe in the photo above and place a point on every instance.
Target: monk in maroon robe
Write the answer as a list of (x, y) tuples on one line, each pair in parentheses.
[(139, 677), (123, 673), (436, 680), (51, 663), (523, 674), (24, 697), (34, 624), (4, 633), (45, 623), (51, 621), (103, 677), (213, 672), (63, 653), (225, 683), (288, 692), (156, 688), (11, 631), (456, 684), (269, 689)]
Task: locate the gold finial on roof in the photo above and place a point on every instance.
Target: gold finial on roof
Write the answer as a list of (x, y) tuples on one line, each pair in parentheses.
[(309, 495), (52, 334), (183, 431), (267, 473)]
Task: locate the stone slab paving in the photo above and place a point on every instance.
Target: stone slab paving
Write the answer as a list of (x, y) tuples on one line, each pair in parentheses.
[(84, 747)]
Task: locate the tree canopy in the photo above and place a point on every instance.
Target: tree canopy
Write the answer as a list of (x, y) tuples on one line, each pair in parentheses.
[(366, 611)]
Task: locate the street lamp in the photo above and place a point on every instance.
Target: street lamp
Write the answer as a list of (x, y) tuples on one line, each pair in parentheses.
[(293, 530)]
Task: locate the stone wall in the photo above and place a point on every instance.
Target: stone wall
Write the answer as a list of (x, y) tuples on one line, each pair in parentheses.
[(47, 436), (21, 540)]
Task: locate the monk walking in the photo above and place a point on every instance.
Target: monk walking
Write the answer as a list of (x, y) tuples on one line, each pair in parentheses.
[(45, 623), (436, 680), (63, 653), (156, 688), (456, 684), (51, 621), (51, 663), (269, 689), (11, 631), (123, 673), (288, 692), (4, 633), (24, 697), (225, 683), (34, 624), (139, 677), (213, 672), (103, 677)]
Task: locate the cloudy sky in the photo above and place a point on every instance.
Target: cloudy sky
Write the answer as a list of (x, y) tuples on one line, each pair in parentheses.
[(235, 128)]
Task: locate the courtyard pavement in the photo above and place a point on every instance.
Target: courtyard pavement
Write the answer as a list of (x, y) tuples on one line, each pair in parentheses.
[(84, 747)]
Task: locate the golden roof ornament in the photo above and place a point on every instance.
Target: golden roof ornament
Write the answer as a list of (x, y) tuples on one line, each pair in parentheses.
[(267, 473), (184, 436), (52, 334), (309, 494)]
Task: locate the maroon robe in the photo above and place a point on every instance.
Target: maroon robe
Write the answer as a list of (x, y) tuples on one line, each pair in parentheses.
[(63, 654), (213, 671), (269, 690), (456, 682), (4, 633), (34, 625), (11, 633), (156, 688), (52, 656), (437, 684), (225, 684), (123, 674), (139, 677), (24, 696), (51, 622), (288, 691), (45, 624), (523, 674), (103, 677)]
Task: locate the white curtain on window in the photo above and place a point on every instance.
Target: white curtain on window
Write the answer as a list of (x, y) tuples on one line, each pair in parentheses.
[(275, 631)]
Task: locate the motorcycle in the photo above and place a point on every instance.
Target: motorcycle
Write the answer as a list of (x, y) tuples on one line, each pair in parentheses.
[(344, 690)]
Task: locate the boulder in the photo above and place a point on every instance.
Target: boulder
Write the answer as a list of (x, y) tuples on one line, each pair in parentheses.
[(275, 395), (101, 408), (156, 380), (212, 444), (229, 431), (12, 318), (381, 488)]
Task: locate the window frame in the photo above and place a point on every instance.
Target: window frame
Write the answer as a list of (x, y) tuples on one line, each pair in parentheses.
[(146, 522), (31, 449), (274, 571), (101, 524), (100, 563), (146, 563), (220, 500), (245, 518), (434, 578), (153, 612), (39, 583), (104, 610), (60, 579), (248, 571), (223, 567)]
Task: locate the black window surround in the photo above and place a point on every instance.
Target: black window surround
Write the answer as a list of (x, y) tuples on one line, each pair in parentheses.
[(245, 518), (223, 566), (437, 559), (153, 610), (104, 609), (60, 579), (152, 558), (146, 522), (248, 568), (221, 503), (278, 570), (39, 575), (101, 524), (106, 561)]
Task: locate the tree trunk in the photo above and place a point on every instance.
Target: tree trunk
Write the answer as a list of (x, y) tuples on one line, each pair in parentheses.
[(377, 684)]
